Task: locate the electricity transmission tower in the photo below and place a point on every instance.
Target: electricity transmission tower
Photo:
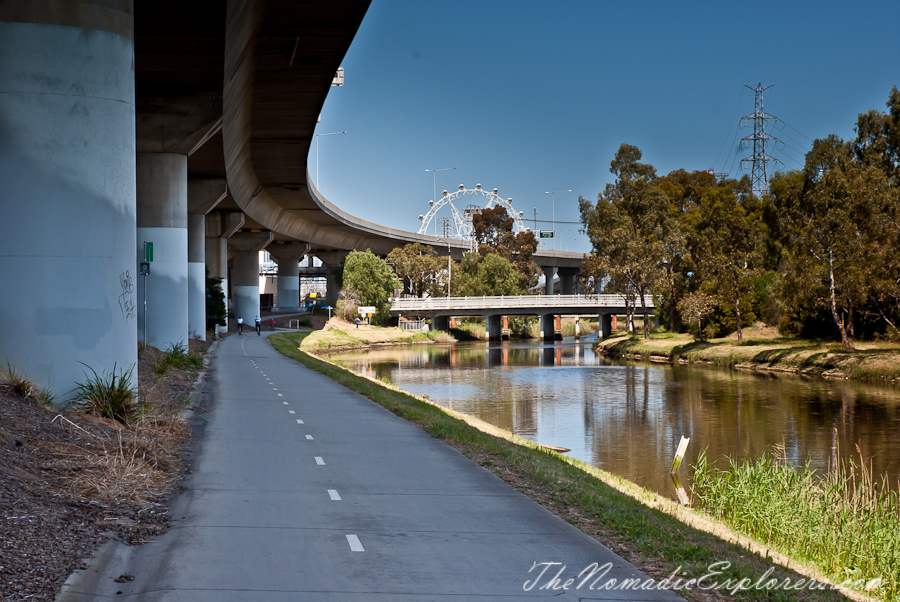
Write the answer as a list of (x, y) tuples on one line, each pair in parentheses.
[(760, 173)]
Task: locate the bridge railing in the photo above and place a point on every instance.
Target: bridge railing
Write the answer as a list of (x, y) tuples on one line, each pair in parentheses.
[(509, 302)]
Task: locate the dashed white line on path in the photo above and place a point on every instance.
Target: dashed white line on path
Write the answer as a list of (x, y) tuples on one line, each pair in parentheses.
[(309, 437), (274, 389), (320, 461), (355, 545), (291, 412), (334, 495), (280, 395), (299, 421), (284, 402)]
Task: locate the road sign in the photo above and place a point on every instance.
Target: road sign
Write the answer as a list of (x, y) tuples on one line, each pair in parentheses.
[(366, 310), (145, 268), (546, 233), (148, 251)]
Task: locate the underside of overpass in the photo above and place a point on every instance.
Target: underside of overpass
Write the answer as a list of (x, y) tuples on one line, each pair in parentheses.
[(185, 125)]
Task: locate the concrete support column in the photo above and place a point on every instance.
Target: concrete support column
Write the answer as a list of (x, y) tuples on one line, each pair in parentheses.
[(245, 272), (331, 260), (504, 332), (203, 196), (287, 256), (548, 327), (162, 220), (606, 325), (441, 323), (567, 280), (557, 330), (577, 326), (197, 275), (67, 199), (548, 285), (492, 326), (219, 228)]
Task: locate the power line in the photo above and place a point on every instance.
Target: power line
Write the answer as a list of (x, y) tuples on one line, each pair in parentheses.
[(738, 106)]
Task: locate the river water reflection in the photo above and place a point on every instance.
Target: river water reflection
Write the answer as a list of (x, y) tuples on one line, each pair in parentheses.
[(627, 418)]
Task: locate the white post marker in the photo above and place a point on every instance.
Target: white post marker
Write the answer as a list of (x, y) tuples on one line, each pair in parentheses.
[(355, 545), (334, 495), (679, 453)]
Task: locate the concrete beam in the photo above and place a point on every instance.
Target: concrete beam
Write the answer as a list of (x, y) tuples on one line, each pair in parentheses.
[(205, 193)]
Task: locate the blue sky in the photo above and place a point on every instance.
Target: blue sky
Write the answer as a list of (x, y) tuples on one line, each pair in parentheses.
[(530, 96)]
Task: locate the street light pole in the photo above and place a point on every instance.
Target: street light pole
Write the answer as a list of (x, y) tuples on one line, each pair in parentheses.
[(553, 203), (317, 152), (434, 188)]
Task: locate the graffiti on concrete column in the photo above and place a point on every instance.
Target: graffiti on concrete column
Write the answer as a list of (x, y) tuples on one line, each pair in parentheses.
[(126, 299)]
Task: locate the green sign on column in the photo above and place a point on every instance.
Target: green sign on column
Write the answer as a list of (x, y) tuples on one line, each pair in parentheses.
[(148, 251)]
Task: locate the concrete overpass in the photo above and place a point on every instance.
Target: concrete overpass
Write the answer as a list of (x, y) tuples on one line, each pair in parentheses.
[(182, 124), (496, 309)]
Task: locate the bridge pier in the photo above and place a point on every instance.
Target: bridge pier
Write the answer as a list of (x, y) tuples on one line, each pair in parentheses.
[(567, 280), (331, 260), (441, 323), (202, 197), (493, 328), (504, 332), (287, 256), (606, 325), (219, 228), (162, 221), (67, 200), (245, 273), (548, 275), (551, 327)]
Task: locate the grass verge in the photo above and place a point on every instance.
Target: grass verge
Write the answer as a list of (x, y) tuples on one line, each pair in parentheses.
[(870, 361), (652, 532)]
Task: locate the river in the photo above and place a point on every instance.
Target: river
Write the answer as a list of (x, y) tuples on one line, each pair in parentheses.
[(627, 417)]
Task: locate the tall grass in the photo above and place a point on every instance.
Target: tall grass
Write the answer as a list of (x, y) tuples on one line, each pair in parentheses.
[(110, 395), (17, 383), (846, 522)]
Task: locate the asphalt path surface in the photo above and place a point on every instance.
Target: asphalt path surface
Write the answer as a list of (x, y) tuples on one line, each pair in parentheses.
[(305, 490)]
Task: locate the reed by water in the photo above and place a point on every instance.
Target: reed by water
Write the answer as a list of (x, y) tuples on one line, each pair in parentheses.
[(846, 522)]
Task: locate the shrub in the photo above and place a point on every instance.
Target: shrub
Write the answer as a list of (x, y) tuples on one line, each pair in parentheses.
[(111, 396), (16, 383), (178, 356)]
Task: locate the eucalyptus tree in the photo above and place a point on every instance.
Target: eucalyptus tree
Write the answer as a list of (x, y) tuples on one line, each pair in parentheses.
[(625, 227)]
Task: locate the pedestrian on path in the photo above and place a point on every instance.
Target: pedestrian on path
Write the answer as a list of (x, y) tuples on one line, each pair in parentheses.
[(272, 324), (357, 322), (258, 324), (240, 326)]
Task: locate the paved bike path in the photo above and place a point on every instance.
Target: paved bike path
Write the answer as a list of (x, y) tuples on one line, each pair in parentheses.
[(305, 490)]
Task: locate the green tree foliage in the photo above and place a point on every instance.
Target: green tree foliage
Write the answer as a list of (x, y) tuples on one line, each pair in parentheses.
[(215, 302), (372, 280), (487, 275), (626, 228), (493, 232), (419, 265), (725, 237)]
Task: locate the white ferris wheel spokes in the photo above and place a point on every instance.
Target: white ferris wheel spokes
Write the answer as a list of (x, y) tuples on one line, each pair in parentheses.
[(459, 224)]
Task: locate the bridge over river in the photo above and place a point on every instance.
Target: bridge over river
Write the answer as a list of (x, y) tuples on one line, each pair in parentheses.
[(495, 310)]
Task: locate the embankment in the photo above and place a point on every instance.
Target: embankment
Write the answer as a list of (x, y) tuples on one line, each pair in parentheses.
[(869, 361)]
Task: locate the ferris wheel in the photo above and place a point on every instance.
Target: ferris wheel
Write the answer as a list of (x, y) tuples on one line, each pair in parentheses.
[(459, 224)]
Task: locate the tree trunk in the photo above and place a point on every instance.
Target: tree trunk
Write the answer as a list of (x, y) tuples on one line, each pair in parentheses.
[(672, 306), (646, 317), (845, 342), (850, 322), (737, 310)]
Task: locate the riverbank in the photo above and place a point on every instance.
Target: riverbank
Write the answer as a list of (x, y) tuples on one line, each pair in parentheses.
[(763, 350), (338, 335), (656, 534)]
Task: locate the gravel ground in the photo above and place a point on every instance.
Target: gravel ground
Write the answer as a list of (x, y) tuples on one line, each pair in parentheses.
[(48, 526)]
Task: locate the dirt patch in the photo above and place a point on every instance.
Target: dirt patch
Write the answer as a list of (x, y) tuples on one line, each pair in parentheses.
[(69, 481)]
